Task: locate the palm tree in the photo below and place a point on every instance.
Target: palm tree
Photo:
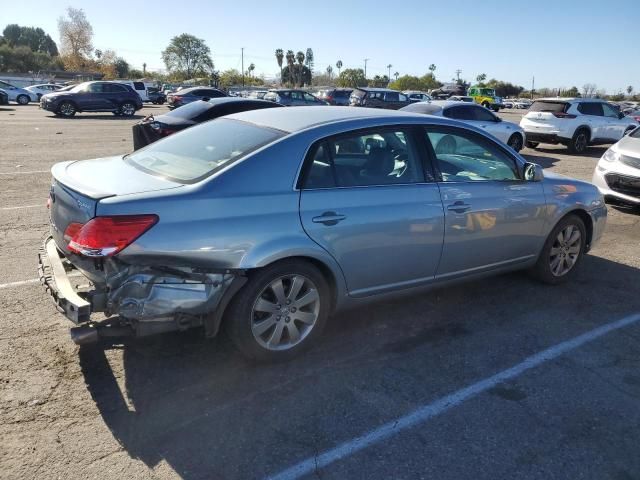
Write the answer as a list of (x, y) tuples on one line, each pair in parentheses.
[(629, 89), (396, 74), (339, 65), (291, 58), (329, 71), (251, 68), (432, 68), (300, 57), (389, 69), (279, 58)]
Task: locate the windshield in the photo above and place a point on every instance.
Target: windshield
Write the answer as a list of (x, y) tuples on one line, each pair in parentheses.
[(489, 92), (81, 87), (197, 152)]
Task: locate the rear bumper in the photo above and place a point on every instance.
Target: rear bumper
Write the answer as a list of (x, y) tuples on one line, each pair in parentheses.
[(545, 137), (54, 276)]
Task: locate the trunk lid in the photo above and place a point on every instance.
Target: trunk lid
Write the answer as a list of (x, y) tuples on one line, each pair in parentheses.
[(78, 186)]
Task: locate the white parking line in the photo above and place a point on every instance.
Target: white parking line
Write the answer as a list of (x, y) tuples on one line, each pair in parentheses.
[(23, 206), (24, 173), (443, 404), (18, 284)]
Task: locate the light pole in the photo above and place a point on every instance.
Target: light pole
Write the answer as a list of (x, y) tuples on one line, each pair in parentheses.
[(389, 68), (365, 68), (242, 53)]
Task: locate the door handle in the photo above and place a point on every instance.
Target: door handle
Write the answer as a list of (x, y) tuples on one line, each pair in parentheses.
[(329, 218), (459, 207)]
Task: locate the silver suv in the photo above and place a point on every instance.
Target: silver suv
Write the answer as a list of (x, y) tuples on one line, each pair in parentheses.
[(574, 122)]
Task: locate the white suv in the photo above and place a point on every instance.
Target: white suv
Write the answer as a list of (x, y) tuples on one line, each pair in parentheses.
[(574, 122)]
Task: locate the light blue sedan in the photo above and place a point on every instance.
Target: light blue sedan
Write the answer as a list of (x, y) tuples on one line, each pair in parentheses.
[(19, 95), (267, 222)]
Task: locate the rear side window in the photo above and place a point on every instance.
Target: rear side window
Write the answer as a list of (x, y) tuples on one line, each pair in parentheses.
[(392, 97), (376, 157), (199, 151), (113, 88), (553, 107), (138, 85), (591, 108)]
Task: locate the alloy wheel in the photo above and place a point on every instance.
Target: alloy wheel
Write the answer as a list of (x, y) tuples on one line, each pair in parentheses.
[(581, 142), (565, 250), (285, 312), (67, 109), (128, 109)]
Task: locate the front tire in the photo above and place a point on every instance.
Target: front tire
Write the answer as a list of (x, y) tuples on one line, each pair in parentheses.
[(562, 251), (486, 105), (23, 99), (579, 142), (280, 312), (66, 109)]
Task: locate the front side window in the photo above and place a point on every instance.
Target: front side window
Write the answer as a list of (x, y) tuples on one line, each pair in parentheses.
[(96, 88), (378, 157), (463, 156), (310, 98), (481, 114), (392, 97), (199, 151), (609, 111)]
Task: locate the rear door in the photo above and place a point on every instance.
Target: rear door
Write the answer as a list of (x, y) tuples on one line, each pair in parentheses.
[(493, 218), (368, 200), (593, 115), (92, 98), (113, 95)]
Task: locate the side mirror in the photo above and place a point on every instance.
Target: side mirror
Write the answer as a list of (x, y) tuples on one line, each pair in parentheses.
[(630, 130), (205, 99), (498, 119), (621, 115), (533, 172)]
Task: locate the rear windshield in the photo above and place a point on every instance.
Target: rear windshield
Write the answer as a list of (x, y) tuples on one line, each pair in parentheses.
[(342, 93), (544, 106), (190, 110), (197, 152)]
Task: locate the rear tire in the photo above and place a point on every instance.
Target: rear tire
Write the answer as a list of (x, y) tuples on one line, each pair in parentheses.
[(579, 142), (23, 99), (127, 109), (263, 322), (562, 251)]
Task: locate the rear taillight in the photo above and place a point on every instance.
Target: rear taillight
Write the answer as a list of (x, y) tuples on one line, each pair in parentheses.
[(106, 236), (563, 115), (176, 98), (637, 118), (329, 99)]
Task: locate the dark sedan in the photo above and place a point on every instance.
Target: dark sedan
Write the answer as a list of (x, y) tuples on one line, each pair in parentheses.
[(154, 128), (192, 94), (118, 98)]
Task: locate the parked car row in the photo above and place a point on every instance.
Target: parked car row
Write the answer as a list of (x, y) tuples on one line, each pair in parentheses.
[(21, 96)]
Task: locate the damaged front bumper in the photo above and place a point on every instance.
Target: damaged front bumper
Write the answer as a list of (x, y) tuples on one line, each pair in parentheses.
[(146, 299)]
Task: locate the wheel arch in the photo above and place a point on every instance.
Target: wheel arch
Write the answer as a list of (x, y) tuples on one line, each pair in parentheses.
[(584, 127), (582, 215)]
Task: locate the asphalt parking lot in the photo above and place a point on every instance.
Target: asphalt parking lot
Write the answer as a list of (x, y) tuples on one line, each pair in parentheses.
[(181, 406)]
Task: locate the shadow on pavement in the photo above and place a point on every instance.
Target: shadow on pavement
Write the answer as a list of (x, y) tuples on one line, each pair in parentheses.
[(197, 405), (88, 116)]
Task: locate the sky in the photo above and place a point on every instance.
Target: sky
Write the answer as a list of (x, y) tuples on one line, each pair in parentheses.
[(561, 43)]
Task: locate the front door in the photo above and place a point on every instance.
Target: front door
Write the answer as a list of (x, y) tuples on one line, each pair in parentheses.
[(493, 218), (368, 201)]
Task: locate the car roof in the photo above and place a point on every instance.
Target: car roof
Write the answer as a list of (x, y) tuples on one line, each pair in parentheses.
[(375, 89), (191, 89), (569, 99), (293, 119), (225, 100)]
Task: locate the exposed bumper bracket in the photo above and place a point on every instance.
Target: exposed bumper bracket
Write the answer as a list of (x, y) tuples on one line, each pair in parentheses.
[(54, 277)]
